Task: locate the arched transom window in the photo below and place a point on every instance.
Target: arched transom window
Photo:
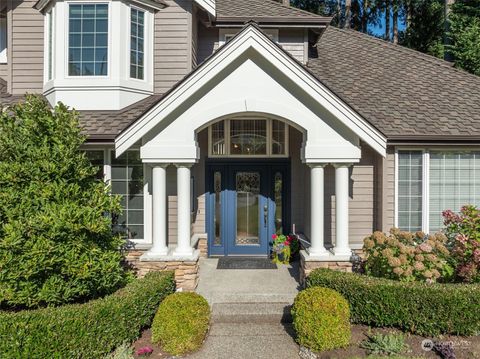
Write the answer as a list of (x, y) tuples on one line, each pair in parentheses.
[(248, 136)]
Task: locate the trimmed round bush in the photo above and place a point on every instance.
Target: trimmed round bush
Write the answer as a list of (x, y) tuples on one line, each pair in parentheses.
[(181, 323), (321, 318), (418, 307)]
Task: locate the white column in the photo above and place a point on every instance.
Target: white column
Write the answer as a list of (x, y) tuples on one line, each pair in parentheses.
[(159, 211), (184, 247), (341, 210), (317, 247)]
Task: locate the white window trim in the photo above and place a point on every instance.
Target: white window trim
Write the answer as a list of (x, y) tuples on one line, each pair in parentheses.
[(226, 131), (3, 28), (67, 38), (224, 33), (425, 178)]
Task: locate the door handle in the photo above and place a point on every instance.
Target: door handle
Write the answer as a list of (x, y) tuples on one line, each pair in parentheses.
[(265, 215)]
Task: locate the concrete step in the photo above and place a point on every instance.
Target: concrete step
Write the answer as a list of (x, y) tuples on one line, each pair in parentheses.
[(225, 297), (265, 312)]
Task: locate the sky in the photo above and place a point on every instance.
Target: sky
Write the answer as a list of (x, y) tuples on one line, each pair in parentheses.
[(380, 28)]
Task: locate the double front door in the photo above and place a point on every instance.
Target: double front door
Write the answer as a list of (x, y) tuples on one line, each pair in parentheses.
[(246, 205)]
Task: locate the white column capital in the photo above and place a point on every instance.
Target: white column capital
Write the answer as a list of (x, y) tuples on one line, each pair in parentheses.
[(316, 165), (341, 164), (183, 165), (161, 165)]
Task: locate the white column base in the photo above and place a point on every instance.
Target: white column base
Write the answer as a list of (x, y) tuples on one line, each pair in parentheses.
[(342, 252)]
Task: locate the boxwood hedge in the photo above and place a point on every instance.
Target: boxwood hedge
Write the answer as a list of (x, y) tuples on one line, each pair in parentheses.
[(89, 330), (421, 308)]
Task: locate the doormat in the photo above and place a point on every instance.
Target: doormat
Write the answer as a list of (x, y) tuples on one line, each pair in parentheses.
[(245, 263)]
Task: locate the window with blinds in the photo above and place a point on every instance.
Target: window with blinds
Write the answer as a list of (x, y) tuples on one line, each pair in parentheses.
[(454, 182), (410, 193)]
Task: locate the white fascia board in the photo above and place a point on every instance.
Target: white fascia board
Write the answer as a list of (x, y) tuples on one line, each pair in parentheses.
[(252, 37), (208, 6)]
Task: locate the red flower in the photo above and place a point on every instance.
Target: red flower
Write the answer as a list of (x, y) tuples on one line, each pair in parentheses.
[(274, 236)]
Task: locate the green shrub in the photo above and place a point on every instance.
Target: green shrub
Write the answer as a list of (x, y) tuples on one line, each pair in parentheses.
[(90, 330), (181, 323), (407, 256), (425, 309), (321, 318), (385, 344), (56, 243)]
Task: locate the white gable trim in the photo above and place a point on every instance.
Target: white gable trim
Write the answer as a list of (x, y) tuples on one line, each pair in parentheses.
[(252, 37), (207, 5)]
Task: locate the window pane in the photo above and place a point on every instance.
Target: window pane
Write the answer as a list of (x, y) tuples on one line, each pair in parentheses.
[(88, 40), (454, 182), (248, 137), (410, 190), (136, 43), (127, 181), (278, 137), (218, 138)]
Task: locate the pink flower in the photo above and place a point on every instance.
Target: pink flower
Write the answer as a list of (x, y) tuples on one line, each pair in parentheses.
[(274, 236), (144, 351)]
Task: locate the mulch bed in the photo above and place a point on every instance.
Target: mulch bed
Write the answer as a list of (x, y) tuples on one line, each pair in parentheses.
[(465, 347)]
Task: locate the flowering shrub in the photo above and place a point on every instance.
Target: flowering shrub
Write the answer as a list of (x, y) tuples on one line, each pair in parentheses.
[(407, 256), (284, 247), (144, 351), (463, 232)]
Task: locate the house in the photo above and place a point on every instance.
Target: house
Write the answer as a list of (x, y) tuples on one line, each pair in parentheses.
[(222, 122)]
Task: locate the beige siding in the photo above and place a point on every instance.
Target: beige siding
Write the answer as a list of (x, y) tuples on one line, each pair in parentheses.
[(172, 204), (299, 187), (198, 173), (26, 47), (292, 40), (3, 71), (207, 42), (172, 54)]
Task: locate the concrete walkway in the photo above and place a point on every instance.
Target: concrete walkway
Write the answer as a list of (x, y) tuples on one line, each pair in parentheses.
[(250, 312)]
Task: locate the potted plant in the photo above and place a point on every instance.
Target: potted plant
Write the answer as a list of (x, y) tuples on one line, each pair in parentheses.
[(284, 248)]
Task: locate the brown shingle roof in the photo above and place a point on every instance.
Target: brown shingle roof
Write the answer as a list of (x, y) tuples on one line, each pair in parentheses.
[(108, 124), (263, 11), (404, 93)]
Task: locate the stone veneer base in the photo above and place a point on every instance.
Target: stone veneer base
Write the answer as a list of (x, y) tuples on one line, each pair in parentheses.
[(309, 263), (185, 269)]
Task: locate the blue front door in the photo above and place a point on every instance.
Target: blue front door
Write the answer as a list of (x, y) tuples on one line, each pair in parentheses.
[(245, 206)]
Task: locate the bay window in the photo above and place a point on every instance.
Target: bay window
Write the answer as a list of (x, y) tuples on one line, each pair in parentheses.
[(88, 40), (431, 181)]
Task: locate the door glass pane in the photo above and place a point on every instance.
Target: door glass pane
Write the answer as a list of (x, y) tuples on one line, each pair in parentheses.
[(217, 184), (248, 195), (278, 185), (248, 137)]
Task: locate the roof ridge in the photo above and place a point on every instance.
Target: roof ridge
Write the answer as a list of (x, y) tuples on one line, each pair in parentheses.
[(418, 54)]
